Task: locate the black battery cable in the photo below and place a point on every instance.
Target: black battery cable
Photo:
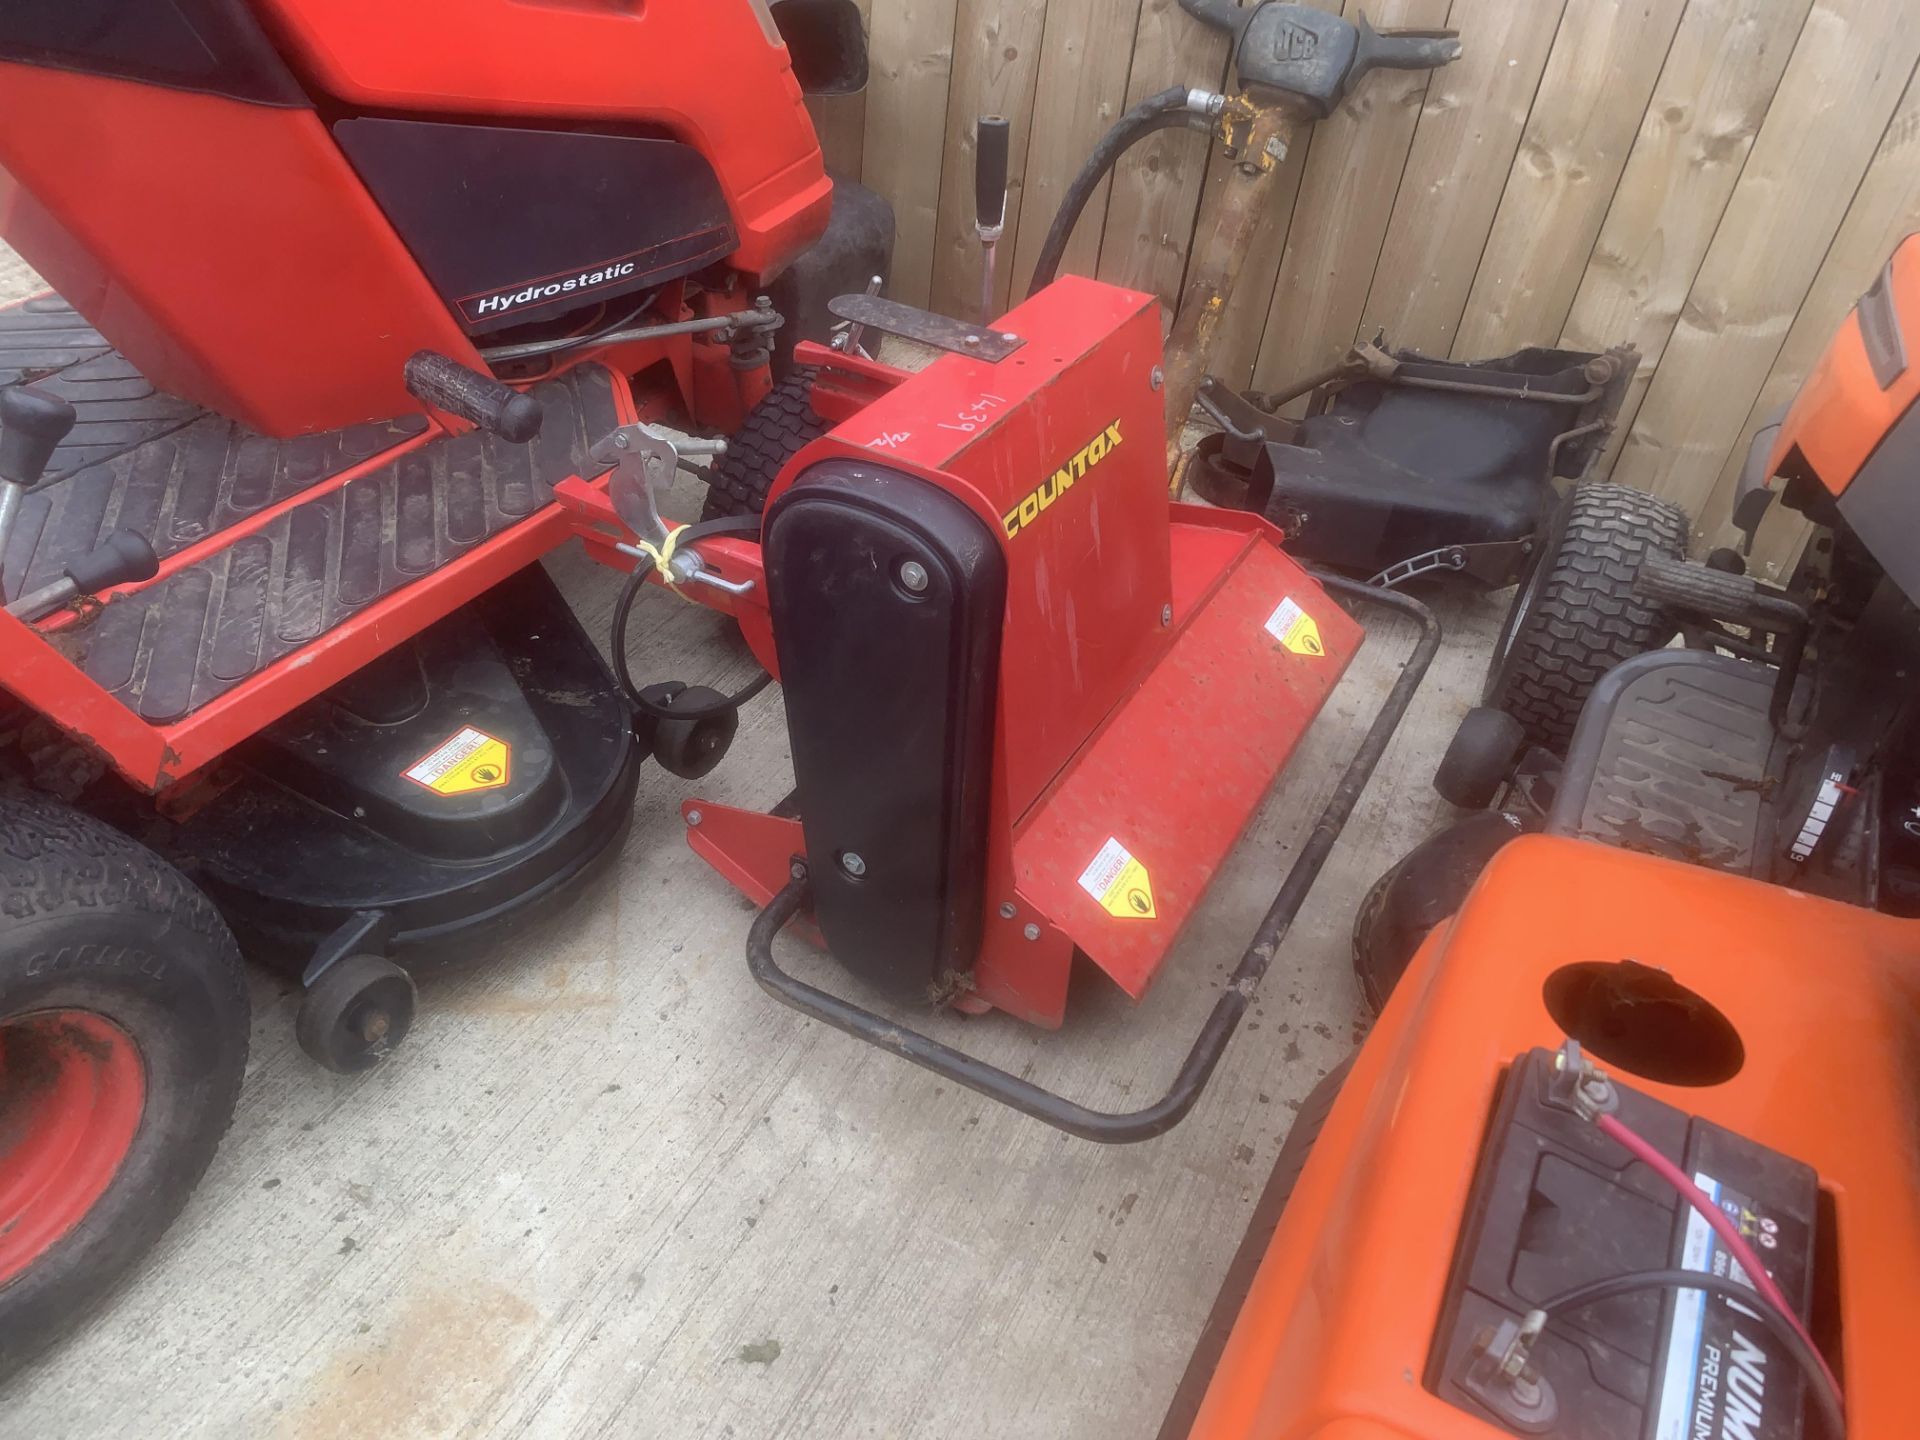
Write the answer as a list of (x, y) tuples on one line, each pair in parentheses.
[(1826, 1398)]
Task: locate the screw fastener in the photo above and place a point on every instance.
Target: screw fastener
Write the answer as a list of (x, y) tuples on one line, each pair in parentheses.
[(913, 575), (853, 864), (1032, 932), (694, 817)]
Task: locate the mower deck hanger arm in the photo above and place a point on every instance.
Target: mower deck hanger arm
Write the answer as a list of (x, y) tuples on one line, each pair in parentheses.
[(1125, 1127)]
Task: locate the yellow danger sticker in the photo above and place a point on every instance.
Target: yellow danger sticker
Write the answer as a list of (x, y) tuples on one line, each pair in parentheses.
[(468, 760), (1119, 882), (1294, 628)]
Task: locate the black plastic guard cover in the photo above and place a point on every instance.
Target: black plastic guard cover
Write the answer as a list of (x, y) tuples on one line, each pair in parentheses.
[(516, 224), (890, 705)]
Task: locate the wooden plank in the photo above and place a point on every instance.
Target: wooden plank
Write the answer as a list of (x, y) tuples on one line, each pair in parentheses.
[(1593, 93), (1237, 342), (1155, 195), (1805, 167), (1884, 211), (1464, 146), (1347, 189), (995, 66), (1081, 91), (911, 50), (841, 123), (1713, 92)]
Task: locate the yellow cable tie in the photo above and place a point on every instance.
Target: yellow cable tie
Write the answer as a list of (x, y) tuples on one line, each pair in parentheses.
[(662, 556)]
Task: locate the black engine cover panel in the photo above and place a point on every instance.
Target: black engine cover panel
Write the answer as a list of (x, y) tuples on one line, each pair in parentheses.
[(890, 711), (515, 225)]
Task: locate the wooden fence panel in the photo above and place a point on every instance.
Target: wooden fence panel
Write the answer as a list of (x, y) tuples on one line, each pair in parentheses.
[(1346, 199), (1763, 260), (1462, 151), (1885, 209), (1081, 91), (1593, 96), (1711, 180), (1152, 205), (993, 76), (911, 45), (1727, 57)]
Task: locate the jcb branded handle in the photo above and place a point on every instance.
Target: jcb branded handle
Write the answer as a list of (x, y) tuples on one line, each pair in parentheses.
[(450, 386)]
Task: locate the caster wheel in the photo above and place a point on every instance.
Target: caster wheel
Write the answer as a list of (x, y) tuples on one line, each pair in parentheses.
[(1480, 758), (359, 1009), (692, 747)]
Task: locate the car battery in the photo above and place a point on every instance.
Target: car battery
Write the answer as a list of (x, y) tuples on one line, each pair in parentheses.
[(1555, 1205)]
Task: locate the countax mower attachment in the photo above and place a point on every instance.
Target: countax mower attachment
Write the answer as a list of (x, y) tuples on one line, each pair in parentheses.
[(286, 669)]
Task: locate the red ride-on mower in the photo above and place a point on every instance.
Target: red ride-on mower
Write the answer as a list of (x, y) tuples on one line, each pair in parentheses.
[(1031, 704), (346, 301)]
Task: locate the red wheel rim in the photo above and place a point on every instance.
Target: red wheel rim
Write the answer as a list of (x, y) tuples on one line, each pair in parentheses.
[(72, 1089)]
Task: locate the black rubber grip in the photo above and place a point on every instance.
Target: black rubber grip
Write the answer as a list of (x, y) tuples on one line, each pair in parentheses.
[(120, 559), (32, 425), (1716, 595), (450, 386), (990, 172)]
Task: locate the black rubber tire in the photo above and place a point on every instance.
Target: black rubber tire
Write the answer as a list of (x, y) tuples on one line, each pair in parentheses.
[(691, 748), (1424, 888), (1479, 758), (96, 922), (1575, 615), (353, 994), (776, 430)]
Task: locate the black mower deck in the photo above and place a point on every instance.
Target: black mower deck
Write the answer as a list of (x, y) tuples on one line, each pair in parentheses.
[(145, 461)]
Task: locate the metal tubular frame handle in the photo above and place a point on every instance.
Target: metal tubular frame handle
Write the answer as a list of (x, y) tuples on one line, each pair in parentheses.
[(1125, 1127)]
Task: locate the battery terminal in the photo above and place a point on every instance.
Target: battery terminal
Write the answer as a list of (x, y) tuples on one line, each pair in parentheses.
[(1577, 1084), (1501, 1375)]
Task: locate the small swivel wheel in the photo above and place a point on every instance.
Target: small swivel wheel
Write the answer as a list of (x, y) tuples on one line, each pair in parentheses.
[(691, 745), (353, 1016)]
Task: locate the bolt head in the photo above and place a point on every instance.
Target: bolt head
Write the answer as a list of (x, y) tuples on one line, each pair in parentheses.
[(1009, 336), (853, 864), (694, 817), (1156, 377), (971, 340), (1008, 910), (913, 576), (1032, 931), (1166, 615), (620, 441)]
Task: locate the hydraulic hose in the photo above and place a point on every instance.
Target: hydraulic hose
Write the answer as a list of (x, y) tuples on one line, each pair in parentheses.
[(741, 525), (1170, 109)]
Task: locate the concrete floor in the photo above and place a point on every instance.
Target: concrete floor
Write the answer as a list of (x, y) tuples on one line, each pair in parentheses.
[(608, 1188)]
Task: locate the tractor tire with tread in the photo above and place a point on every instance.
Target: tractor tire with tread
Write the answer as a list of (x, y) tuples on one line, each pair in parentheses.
[(102, 929), (1576, 615), (777, 429)]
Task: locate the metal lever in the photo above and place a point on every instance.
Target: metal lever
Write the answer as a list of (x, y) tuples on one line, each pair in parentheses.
[(848, 332), (989, 199), (32, 425), (642, 459), (123, 558)]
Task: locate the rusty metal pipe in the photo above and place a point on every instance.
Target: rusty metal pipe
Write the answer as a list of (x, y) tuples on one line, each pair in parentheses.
[(1259, 135)]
